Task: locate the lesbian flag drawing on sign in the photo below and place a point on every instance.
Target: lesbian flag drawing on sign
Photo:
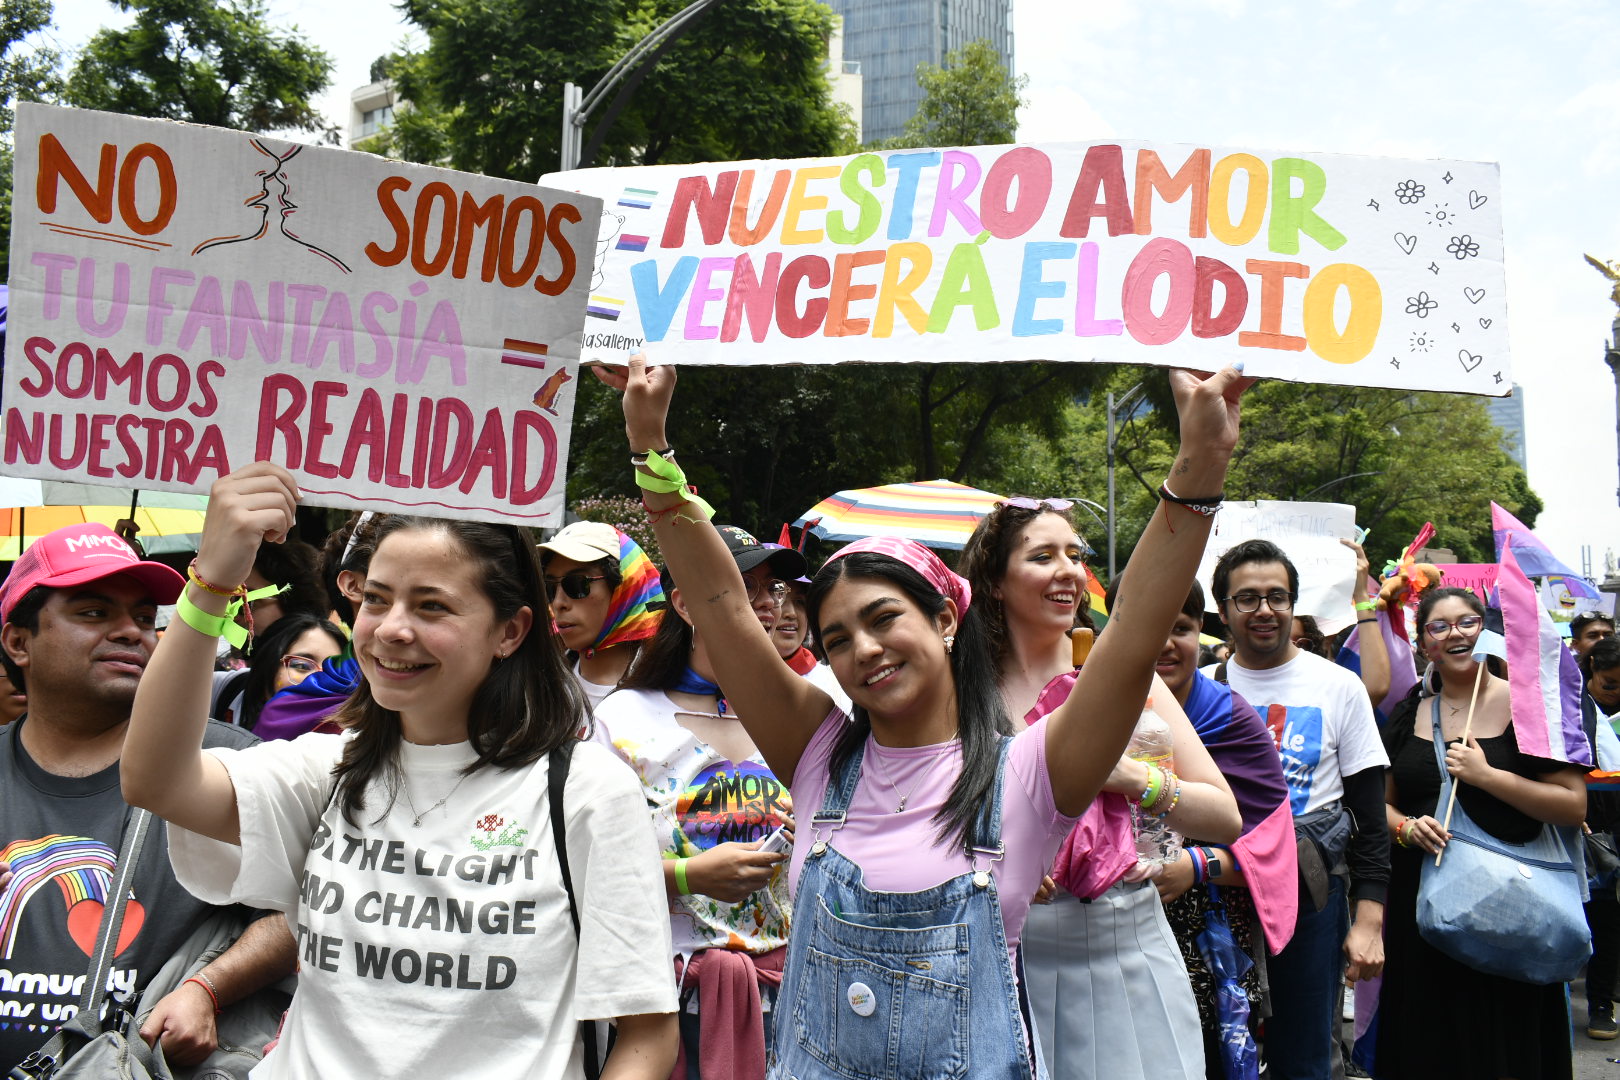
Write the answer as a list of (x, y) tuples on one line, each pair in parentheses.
[(1544, 681)]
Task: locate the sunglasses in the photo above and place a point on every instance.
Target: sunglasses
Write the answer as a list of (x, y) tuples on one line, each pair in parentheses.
[(1439, 628), (576, 585), (1026, 503)]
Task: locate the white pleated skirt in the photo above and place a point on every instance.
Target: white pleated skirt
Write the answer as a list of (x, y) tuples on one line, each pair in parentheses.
[(1108, 989)]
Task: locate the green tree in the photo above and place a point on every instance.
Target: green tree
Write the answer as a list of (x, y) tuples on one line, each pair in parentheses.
[(748, 80), (205, 61), (27, 73), (970, 100)]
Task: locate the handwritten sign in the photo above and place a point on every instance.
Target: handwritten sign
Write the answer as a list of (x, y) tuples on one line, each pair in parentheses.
[(1313, 267), (1309, 535), (185, 300)]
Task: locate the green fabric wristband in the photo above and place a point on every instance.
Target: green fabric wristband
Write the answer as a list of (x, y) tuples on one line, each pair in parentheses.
[(680, 878)]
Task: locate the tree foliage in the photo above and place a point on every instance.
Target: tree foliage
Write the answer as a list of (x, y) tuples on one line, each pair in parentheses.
[(27, 73), (970, 100), (205, 61), (748, 80)]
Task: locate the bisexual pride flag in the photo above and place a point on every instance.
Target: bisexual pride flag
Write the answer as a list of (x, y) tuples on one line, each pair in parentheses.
[(1534, 558)]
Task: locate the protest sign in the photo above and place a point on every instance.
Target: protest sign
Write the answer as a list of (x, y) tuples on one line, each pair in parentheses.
[(185, 300), (1309, 535), (1312, 267), (1478, 578)]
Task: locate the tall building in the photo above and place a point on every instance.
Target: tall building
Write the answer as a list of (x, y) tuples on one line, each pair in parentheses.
[(1507, 413), (889, 38)]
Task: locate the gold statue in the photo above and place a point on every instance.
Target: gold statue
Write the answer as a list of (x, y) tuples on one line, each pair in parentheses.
[(1610, 270)]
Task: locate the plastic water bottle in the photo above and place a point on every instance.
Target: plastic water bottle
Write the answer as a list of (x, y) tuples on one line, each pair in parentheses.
[(1156, 842)]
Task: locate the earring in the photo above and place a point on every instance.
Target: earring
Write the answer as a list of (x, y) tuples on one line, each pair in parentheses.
[(950, 642)]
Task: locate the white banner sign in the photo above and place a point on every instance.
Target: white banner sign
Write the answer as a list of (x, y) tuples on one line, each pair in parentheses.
[(185, 300), (1311, 267), (1309, 534)]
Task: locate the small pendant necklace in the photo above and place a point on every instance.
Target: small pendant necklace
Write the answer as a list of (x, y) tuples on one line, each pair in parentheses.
[(416, 818), (906, 797)]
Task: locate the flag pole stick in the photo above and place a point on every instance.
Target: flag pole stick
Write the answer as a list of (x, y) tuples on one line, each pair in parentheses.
[(1468, 726)]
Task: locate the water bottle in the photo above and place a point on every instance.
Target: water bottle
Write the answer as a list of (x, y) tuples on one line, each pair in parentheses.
[(1156, 842)]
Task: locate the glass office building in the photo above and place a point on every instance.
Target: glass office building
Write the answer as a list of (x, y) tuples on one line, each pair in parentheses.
[(889, 38)]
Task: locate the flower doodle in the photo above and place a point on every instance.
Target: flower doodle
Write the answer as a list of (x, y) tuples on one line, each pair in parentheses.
[(1420, 305), (1409, 191), (1463, 246), (497, 833)]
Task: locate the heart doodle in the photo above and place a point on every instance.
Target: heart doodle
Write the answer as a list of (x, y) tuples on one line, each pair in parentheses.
[(1405, 243), (1484, 324), (84, 919), (1469, 360), (1474, 295), (1476, 200)]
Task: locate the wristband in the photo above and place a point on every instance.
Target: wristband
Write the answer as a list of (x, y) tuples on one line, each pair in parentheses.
[(213, 995), (1154, 789), (667, 453), (197, 580), (224, 625), (1366, 620), (1367, 605), (1204, 506), (667, 477), (680, 878), (1200, 865)]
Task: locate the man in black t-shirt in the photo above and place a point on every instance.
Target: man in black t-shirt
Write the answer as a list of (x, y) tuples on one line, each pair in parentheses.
[(77, 612)]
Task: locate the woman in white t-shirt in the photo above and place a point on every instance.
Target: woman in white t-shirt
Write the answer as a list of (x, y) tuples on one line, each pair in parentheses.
[(414, 854), (922, 830), (1107, 983), (604, 598)]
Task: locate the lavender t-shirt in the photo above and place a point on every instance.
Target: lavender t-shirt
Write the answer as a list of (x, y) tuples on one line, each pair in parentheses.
[(901, 852)]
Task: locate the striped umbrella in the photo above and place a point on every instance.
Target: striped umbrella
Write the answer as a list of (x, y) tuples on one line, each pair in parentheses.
[(937, 513), (169, 521)]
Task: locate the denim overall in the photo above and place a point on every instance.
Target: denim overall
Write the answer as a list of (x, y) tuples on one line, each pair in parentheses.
[(898, 986)]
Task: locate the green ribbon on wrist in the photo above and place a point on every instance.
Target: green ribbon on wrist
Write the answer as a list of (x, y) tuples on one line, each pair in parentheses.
[(224, 625), (668, 477)]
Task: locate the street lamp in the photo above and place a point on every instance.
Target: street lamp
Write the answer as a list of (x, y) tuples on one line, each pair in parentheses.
[(633, 67), (1114, 409)]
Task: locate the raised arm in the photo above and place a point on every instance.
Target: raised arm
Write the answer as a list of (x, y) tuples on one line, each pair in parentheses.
[(780, 710), (163, 767), (1087, 733), (1374, 651)]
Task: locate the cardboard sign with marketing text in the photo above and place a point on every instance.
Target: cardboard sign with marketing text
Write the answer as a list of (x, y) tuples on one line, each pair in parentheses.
[(1311, 267), (1309, 534), (185, 300)]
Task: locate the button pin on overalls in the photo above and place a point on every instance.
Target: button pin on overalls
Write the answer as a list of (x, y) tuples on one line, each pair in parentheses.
[(861, 999)]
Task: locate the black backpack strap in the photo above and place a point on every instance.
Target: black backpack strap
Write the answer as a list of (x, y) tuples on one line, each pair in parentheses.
[(556, 780)]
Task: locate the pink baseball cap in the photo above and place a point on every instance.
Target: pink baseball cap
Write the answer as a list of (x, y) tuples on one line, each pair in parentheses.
[(79, 554)]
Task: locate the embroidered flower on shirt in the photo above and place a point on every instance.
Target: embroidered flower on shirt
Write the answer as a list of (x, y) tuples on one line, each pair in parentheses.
[(497, 833)]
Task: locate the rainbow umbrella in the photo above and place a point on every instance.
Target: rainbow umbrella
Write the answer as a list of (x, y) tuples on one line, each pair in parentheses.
[(170, 522), (938, 513)]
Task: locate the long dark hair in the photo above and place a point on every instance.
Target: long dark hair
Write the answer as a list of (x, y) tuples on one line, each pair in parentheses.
[(527, 706), (666, 655), (984, 564), (260, 681), (981, 718)]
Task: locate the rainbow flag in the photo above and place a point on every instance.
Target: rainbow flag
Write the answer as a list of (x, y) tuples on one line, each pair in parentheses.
[(1096, 600), (630, 616)]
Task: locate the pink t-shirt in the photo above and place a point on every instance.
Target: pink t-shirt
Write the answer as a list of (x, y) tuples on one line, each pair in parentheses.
[(902, 852)]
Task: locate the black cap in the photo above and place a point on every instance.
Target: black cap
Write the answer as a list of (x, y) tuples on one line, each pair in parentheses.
[(786, 563)]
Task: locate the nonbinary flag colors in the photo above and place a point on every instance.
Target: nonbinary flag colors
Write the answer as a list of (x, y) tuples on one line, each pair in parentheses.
[(1544, 682)]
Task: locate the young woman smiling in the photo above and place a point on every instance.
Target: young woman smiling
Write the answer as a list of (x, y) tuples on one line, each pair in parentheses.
[(1100, 1012), (1516, 1029), (924, 827), (413, 854)]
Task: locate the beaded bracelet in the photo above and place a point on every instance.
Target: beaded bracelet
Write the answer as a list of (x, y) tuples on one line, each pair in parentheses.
[(1400, 832), (1175, 797), (1155, 786)]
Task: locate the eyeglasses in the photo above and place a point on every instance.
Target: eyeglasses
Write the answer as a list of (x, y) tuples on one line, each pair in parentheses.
[(575, 585), (1248, 602), (775, 588), (300, 665), (1439, 628), (1025, 503)]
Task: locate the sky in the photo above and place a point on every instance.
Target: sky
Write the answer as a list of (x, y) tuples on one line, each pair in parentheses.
[(1530, 85)]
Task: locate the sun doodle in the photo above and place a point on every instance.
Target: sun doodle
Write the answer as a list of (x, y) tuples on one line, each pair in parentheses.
[(1421, 342), (1441, 216)]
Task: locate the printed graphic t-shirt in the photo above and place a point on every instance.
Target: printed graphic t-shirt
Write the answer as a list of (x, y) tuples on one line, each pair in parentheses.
[(61, 836), (1321, 720), (446, 946), (698, 799)]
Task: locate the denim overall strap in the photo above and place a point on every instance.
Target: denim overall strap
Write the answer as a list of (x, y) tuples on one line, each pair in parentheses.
[(835, 804), (988, 827)]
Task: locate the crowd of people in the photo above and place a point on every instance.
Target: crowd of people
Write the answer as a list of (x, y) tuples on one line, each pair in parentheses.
[(504, 809)]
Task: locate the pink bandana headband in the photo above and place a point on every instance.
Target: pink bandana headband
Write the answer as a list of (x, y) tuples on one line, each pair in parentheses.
[(920, 559)]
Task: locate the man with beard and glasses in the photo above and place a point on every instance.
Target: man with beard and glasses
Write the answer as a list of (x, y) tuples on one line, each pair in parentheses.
[(1333, 761)]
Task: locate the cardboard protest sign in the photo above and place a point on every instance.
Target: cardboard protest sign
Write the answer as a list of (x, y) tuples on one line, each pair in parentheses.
[(1312, 267), (185, 300), (1478, 578), (1309, 535)]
